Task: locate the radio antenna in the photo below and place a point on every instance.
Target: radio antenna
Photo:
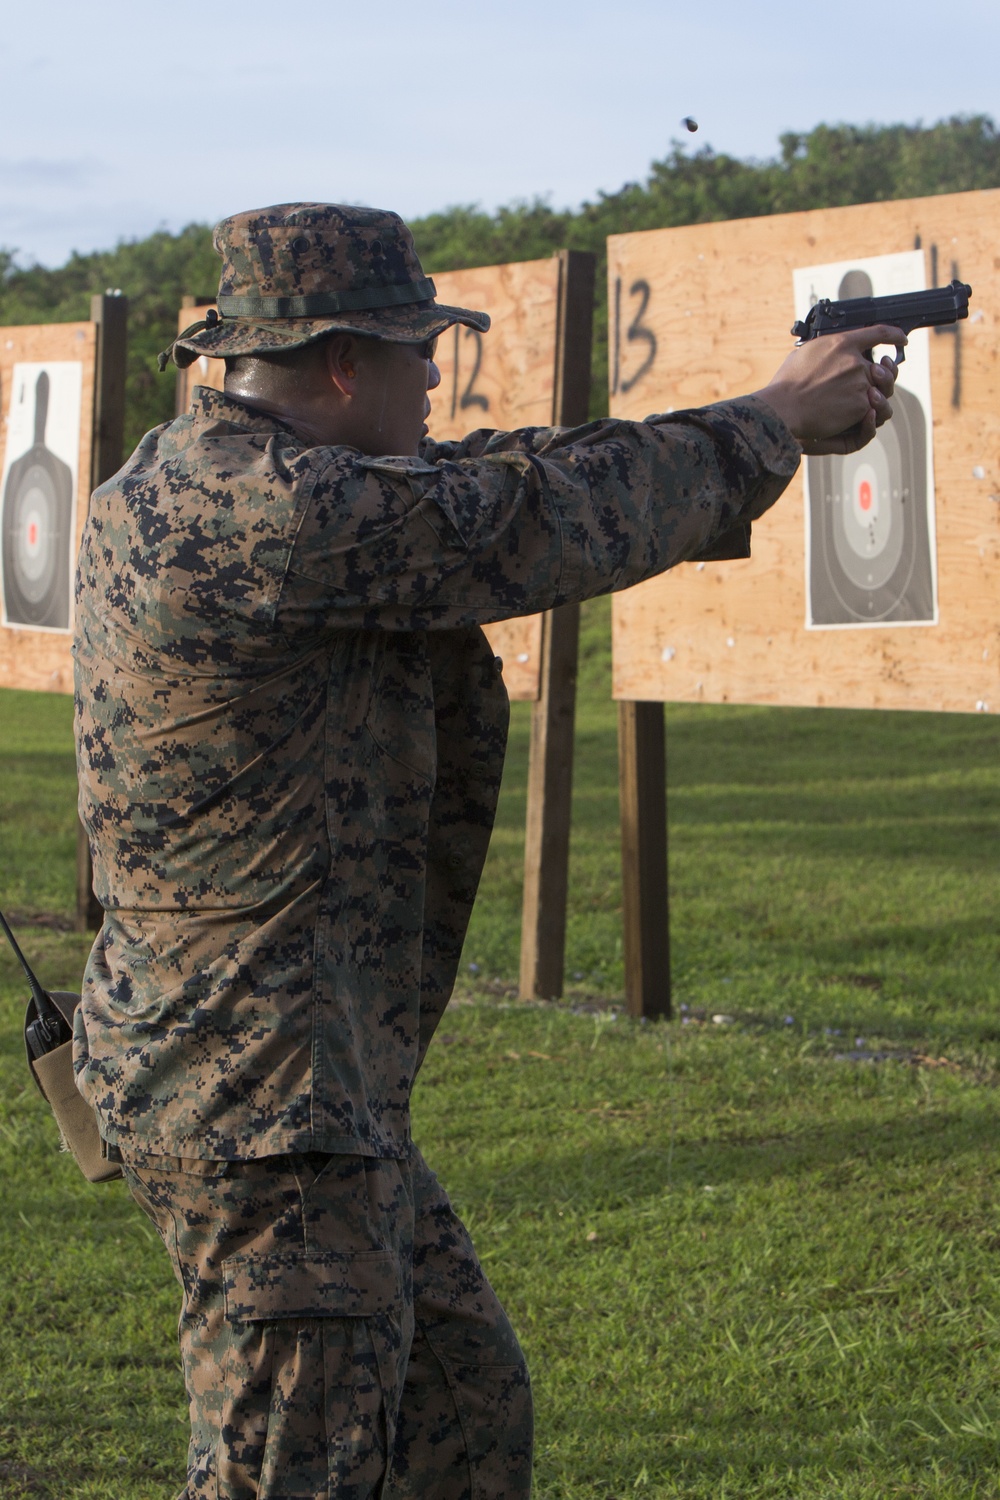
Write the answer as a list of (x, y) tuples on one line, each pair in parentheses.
[(48, 1013)]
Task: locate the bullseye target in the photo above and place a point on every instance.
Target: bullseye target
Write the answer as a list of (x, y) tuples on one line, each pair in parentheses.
[(34, 529), (870, 515), (37, 513), (870, 556), (868, 533)]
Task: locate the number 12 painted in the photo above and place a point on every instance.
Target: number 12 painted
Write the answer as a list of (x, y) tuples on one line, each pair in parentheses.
[(470, 396)]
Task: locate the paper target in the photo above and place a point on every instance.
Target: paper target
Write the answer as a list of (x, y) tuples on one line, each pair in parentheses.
[(870, 515), (38, 511), (869, 548)]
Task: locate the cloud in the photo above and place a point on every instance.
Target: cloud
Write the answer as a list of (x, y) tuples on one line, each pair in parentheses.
[(46, 172)]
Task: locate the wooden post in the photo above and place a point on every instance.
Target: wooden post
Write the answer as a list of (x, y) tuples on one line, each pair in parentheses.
[(110, 312), (550, 763), (550, 791), (645, 901)]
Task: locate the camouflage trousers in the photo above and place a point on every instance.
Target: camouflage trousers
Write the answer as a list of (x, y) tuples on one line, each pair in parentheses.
[(339, 1339)]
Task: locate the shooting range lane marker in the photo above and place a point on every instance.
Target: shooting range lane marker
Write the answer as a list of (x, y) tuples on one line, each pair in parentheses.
[(749, 264), (669, 352)]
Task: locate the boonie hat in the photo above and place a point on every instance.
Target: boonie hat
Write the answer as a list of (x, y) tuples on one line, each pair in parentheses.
[(296, 271)]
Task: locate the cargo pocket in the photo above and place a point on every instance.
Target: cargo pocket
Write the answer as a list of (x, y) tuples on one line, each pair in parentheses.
[(312, 1374)]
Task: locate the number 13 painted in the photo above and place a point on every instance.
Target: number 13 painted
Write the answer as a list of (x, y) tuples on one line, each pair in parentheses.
[(636, 333)]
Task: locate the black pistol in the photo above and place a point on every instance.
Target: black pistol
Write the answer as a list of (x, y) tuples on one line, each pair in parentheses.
[(905, 310)]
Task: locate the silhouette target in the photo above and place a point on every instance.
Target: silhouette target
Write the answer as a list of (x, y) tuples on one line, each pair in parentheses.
[(870, 552), (36, 526)]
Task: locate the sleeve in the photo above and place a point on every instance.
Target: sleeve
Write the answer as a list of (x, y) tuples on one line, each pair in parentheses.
[(507, 524)]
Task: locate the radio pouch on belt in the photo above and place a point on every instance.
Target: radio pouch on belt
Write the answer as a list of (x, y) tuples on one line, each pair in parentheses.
[(48, 1040)]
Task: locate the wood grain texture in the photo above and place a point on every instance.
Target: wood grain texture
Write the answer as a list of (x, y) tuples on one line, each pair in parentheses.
[(719, 307), (549, 808), (642, 798), (550, 763), (109, 312), (512, 369), (514, 385), (40, 660), (518, 643)]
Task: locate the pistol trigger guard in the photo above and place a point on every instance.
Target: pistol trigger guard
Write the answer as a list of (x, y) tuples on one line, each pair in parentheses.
[(899, 356)]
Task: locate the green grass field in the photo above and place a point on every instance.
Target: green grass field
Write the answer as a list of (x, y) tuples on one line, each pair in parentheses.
[(750, 1257)]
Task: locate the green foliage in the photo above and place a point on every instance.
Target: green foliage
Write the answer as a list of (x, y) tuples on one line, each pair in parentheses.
[(839, 164), (154, 273), (828, 166), (468, 236)]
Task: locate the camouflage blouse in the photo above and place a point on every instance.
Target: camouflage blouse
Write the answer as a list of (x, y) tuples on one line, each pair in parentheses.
[(290, 734)]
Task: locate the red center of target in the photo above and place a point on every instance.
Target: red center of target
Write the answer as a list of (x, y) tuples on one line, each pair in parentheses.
[(32, 533), (865, 495)]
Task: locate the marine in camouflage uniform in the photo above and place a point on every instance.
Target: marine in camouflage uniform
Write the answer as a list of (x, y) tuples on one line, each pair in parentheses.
[(290, 735)]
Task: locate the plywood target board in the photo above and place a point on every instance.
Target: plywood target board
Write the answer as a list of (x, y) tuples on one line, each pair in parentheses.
[(873, 581), (47, 378), (502, 379)]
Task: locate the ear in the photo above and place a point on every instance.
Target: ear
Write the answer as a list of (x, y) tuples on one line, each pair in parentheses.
[(340, 356)]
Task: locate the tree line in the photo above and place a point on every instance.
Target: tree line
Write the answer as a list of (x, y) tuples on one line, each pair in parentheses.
[(827, 167)]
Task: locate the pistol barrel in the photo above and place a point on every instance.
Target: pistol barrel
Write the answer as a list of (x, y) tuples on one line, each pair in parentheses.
[(905, 310)]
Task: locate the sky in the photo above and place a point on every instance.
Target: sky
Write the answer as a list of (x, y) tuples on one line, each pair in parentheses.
[(124, 116)]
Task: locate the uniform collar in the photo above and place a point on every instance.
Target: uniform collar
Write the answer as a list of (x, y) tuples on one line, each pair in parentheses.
[(209, 406)]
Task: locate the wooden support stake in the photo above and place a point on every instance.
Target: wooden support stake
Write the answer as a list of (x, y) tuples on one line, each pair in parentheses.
[(645, 902), (110, 312), (550, 789), (550, 764)]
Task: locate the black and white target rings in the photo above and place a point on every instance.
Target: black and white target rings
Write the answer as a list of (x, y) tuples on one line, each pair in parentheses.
[(870, 552), (36, 529)]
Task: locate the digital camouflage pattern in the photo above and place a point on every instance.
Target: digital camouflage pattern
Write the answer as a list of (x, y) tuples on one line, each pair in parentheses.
[(291, 732), (334, 1313), (298, 270)]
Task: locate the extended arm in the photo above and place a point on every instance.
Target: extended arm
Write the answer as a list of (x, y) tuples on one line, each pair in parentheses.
[(534, 518)]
